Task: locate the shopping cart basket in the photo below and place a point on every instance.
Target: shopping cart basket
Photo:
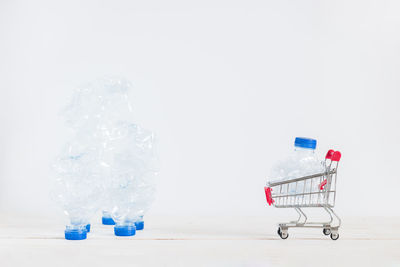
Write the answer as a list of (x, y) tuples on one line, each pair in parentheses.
[(317, 190)]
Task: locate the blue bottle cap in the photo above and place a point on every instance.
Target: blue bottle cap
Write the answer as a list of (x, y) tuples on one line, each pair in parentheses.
[(107, 221), (125, 230), (139, 225), (305, 142), (88, 227), (75, 234)]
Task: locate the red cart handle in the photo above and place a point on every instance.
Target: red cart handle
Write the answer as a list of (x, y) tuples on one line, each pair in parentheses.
[(333, 156), (268, 194), (336, 156), (330, 153)]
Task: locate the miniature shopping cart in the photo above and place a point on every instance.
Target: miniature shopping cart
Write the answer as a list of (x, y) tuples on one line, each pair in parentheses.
[(317, 190)]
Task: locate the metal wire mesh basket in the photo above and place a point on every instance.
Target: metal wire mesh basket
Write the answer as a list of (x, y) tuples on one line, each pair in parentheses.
[(312, 191)]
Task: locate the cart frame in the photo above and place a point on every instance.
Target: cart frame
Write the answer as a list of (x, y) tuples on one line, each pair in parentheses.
[(312, 191)]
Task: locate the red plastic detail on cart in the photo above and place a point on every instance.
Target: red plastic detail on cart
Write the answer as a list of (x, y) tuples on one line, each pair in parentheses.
[(321, 186), (336, 156), (329, 154), (268, 190)]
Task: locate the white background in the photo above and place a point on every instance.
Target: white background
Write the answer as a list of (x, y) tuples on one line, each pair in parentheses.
[(226, 86)]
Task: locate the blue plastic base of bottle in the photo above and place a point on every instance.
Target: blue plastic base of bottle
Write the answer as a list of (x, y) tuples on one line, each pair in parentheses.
[(107, 221), (75, 234), (88, 227), (124, 230), (139, 225)]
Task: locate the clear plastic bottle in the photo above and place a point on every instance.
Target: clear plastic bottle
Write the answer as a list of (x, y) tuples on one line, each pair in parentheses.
[(132, 161), (76, 190), (303, 161), (125, 212), (96, 104)]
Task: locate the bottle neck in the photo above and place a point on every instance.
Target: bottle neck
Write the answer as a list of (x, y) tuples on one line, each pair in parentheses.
[(303, 150)]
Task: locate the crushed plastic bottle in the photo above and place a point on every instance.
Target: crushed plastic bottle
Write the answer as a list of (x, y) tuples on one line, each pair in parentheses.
[(76, 189), (96, 104), (133, 166), (302, 162)]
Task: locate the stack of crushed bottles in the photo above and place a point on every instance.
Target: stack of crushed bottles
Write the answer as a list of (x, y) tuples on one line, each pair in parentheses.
[(109, 164)]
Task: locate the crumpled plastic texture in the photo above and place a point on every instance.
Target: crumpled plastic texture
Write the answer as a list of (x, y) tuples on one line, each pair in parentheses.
[(133, 166), (77, 168), (300, 163), (111, 162)]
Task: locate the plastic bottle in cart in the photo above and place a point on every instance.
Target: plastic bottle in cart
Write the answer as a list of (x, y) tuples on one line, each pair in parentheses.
[(303, 161)]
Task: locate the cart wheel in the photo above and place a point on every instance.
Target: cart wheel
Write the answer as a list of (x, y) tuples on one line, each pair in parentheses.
[(334, 236), (326, 231), (284, 235), (279, 231)]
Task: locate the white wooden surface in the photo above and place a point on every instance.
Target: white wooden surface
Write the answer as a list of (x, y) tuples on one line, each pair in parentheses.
[(202, 241)]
